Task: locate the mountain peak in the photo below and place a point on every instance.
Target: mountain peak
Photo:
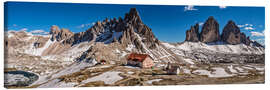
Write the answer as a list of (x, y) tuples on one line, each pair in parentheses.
[(211, 18), (231, 22), (58, 34), (129, 30), (133, 16), (54, 29), (231, 33), (133, 11), (210, 31), (193, 34)]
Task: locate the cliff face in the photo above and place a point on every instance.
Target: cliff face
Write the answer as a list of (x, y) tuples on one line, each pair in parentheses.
[(232, 35), (193, 34), (210, 31), (60, 34), (135, 27)]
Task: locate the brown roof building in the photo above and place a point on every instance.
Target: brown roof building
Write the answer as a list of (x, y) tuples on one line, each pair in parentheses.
[(140, 60)]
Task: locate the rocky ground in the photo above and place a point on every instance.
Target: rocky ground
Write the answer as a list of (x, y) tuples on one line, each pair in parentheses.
[(119, 75)]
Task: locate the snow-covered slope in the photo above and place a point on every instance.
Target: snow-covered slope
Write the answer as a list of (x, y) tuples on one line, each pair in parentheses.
[(38, 51), (217, 53), (221, 48)]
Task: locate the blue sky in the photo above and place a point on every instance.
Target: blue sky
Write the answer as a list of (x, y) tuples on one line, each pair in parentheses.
[(169, 23)]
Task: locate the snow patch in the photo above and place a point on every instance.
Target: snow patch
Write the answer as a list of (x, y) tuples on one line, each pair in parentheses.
[(75, 67), (245, 67), (123, 54), (129, 72), (188, 60), (219, 72), (187, 71), (259, 68), (240, 69), (217, 47), (75, 51), (202, 72), (10, 35), (109, 77), (57, 83), (130, 47), (231, 69), (116, 35), (41, 79), (38, 51), (154, 80), (168, 45), (117, 51)]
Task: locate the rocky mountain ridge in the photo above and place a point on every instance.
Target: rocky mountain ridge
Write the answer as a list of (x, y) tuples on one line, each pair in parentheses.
[(116, 30), (231, 34), (125, 35)]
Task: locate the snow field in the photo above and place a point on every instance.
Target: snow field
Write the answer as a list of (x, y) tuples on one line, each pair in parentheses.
[(109, 77)]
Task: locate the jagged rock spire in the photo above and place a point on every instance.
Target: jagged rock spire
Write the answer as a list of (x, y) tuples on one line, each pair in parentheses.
[(133, 16), (54, 31), (210, 31), (193, 34), (58, 34), (232, 34)]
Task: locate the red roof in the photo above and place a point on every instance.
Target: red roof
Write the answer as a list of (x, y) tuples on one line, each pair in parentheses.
[(139, 57), (102, 60)]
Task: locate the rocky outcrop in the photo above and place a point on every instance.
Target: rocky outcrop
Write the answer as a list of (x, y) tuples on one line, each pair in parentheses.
[(133, 17), (193, 34), (88, 35), (137, 31), (217, 57), (231, 34), (245, 40), (55, 30), (210, 31), (255, 43), (59, 35)]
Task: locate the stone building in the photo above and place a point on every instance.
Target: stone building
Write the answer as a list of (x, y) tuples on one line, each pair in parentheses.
[(140, 60)]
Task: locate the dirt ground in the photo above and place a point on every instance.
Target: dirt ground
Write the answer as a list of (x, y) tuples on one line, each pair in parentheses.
[(135, 76)]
